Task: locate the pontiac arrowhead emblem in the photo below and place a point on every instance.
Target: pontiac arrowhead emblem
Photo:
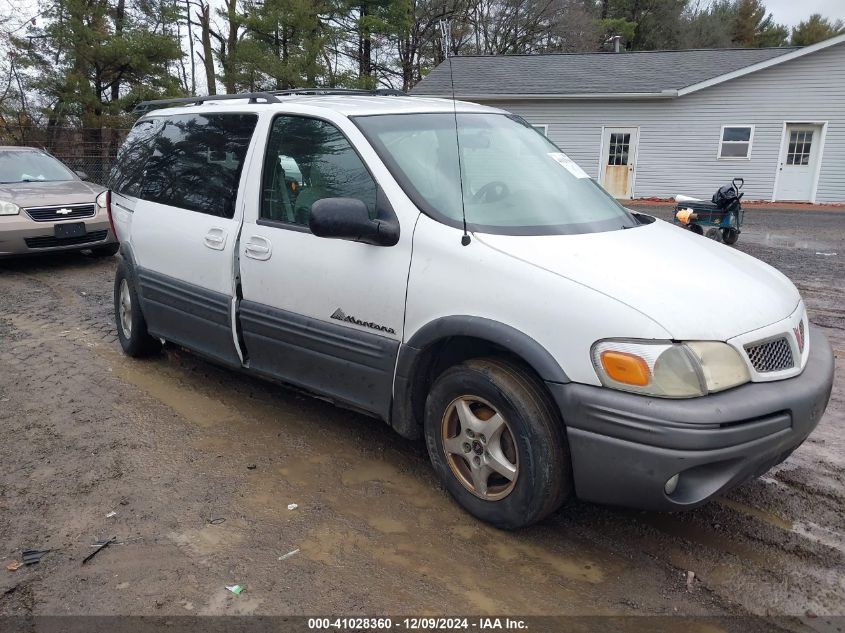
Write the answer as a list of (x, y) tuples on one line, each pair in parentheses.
[(799, 338), (64, 211)]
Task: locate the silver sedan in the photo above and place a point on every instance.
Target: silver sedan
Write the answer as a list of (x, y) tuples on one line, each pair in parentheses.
[(45, 206)]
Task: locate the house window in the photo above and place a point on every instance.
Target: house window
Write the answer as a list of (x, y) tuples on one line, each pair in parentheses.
[(541, 128), (735, 141)]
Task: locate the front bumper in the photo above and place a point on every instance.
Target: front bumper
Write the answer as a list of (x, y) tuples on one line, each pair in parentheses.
[(20, 235), (626, 446)]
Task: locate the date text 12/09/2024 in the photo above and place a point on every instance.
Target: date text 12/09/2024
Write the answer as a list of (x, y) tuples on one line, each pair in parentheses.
[(416, 624)]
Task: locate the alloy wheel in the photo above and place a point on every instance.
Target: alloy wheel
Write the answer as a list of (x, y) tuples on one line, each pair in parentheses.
[(125, 309), (480, 448)]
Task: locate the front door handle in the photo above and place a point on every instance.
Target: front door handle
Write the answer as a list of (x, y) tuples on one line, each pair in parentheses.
[(258, 247), (215, 239)]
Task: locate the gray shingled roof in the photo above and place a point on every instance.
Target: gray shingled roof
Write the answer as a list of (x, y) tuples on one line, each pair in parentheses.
[(588, 73)]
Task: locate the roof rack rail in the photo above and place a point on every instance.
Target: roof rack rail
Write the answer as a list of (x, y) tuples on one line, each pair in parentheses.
[(377, 92), (146, 106)]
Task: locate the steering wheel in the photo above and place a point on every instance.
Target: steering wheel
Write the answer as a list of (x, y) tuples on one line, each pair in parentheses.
[(492, 192)]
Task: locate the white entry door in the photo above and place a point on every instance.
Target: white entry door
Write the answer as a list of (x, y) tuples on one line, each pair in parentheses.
[(619, 153), (799, 161)]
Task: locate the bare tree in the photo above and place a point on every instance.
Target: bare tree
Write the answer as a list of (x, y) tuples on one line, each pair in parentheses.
[(207, 56)]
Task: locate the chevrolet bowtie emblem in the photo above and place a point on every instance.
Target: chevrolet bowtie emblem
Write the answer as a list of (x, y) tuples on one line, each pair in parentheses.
[(64, 211)]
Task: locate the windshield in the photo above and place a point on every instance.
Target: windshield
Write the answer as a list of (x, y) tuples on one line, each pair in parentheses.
[(29, 166), (515, 181)]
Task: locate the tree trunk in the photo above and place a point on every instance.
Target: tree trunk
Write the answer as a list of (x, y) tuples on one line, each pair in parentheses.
[(191, 47), (119, 20), (232, 46), (207, 53), (365, 46)]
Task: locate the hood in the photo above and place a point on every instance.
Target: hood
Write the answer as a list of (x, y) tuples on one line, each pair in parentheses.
[(45, 194), (694, 287)]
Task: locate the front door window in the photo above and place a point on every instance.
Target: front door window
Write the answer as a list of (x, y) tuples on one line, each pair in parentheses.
[(308, 160)]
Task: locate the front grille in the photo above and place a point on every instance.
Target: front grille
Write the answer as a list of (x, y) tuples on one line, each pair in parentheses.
[(775, 355), (51, 214), (48, 241)]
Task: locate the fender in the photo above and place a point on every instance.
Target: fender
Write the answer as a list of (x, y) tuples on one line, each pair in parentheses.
[(403, 418)]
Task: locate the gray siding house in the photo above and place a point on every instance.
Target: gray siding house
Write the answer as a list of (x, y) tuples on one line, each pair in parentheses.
[(653, 124)]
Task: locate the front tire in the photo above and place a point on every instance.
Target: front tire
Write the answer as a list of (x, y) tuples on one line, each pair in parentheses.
[(131, 326), (496, 442)]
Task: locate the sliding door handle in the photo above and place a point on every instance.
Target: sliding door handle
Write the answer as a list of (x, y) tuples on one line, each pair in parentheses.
[(258, 247), (215, 239)]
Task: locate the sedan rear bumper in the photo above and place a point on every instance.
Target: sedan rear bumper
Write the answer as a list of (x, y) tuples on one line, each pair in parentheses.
[(625, 447)]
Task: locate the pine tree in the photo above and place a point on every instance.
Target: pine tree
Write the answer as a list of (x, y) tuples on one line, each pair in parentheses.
[(92, 62), (282, 45), (816, 29), (754, 28)]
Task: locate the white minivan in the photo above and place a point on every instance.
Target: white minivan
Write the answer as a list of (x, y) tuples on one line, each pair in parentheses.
[(444, 267)]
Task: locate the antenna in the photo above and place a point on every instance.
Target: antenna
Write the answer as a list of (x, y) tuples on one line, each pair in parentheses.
[(446, 32)]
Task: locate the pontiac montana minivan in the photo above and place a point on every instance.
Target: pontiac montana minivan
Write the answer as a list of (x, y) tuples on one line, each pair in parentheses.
[(444, 267)]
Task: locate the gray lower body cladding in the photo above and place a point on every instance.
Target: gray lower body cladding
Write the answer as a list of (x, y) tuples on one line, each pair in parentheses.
[(346, 364), (349, 366), (625, 446), (188, 315)]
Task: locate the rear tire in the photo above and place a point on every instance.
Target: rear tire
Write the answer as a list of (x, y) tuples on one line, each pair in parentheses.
[(497, 443), (131, 326), (730, 236), (695, 228)]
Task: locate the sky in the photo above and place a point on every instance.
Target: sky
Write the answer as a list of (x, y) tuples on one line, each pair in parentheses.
[(791, 12)]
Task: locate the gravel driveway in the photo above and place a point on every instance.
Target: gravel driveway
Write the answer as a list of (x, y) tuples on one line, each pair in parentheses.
[(200, 465)]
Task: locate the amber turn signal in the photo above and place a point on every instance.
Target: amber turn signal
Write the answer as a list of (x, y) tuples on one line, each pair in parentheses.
[(626, 368)]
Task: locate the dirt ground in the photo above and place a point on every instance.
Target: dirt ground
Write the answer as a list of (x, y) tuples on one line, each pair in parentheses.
[(200, 465)]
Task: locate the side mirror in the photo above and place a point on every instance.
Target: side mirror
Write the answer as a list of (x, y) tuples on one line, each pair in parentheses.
[(82, 175), (349, 219)]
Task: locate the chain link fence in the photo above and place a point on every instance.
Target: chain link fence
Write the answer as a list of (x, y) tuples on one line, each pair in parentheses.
[(88, 150)]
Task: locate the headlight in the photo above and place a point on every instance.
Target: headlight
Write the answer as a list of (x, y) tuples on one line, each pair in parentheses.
[(9, 208), (669, 370)]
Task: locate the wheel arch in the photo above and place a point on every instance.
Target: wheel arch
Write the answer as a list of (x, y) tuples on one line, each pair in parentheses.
[(127, 254), (447, 341)]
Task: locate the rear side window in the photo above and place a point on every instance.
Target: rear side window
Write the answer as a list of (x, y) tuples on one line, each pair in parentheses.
[(195, 162), (128, 171)]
